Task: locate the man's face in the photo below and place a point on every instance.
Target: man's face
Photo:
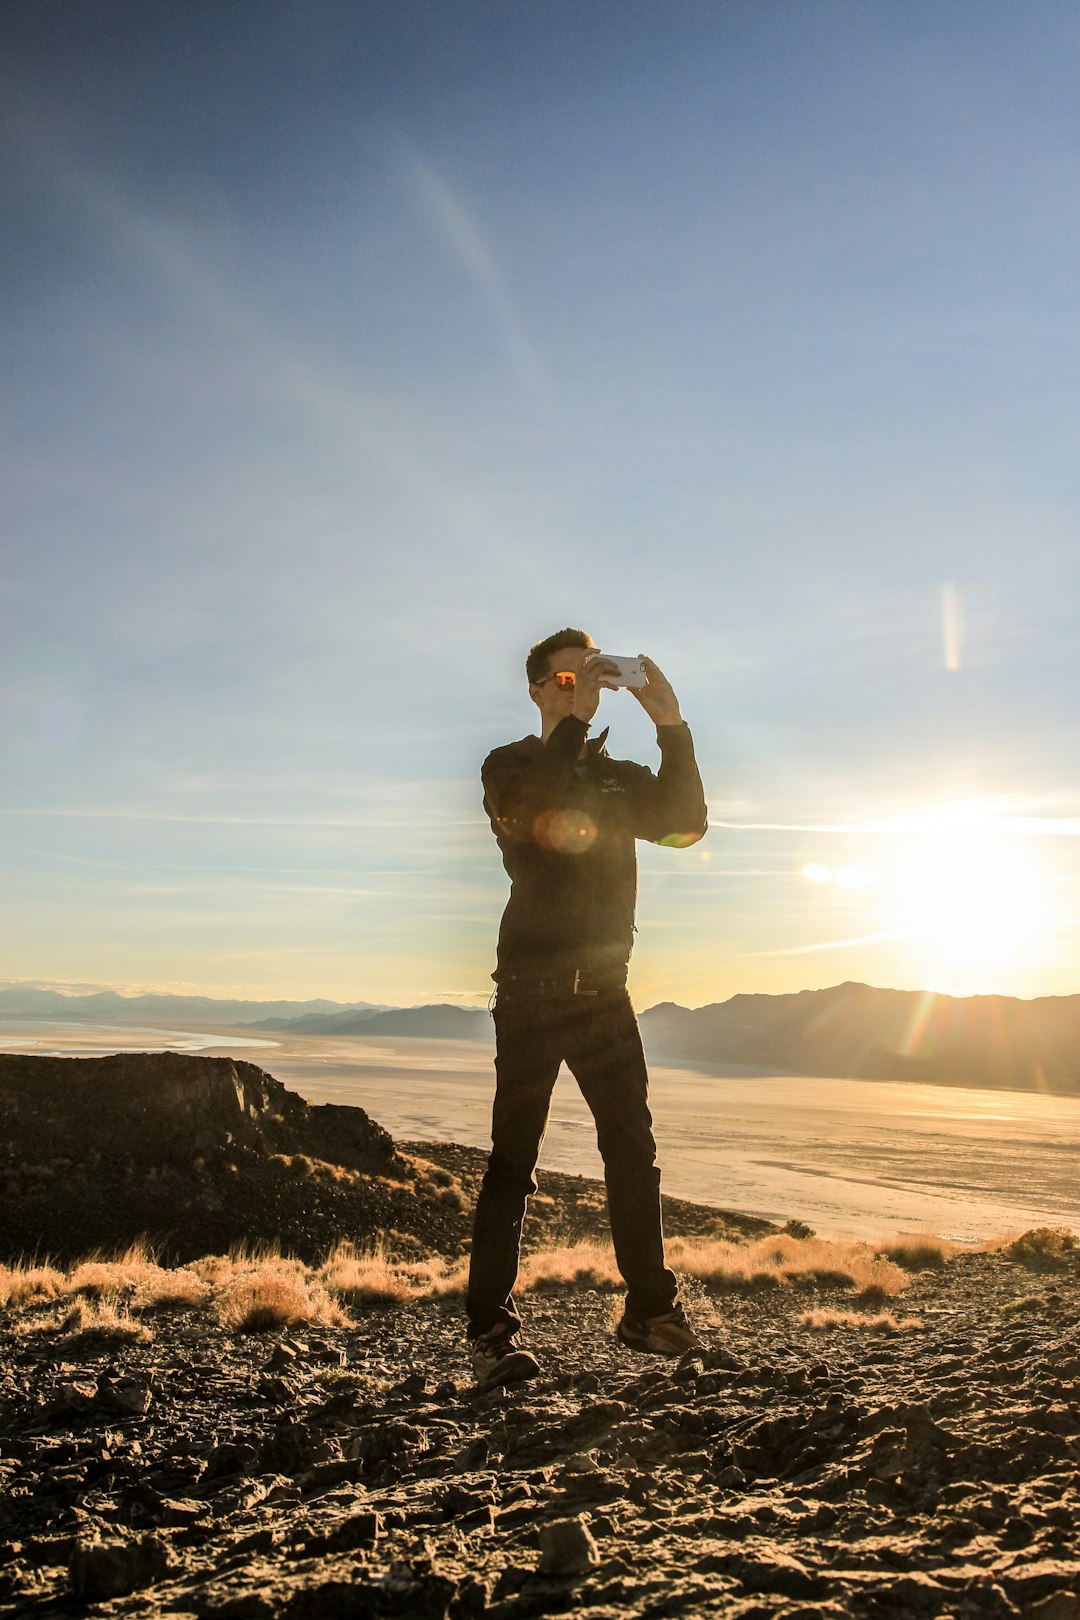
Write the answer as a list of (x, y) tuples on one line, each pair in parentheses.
[(554, 701)]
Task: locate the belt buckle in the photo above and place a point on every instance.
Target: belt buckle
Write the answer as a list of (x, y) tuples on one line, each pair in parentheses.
[(577, 986)]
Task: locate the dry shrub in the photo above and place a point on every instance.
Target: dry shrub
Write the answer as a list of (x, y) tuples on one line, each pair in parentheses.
[(100, 1319), (918, 1253), (1023, 1306), (273, 1293), (436, 1182), (19, 1285), (883, 1322), (1042, 1246), (590, 1200)]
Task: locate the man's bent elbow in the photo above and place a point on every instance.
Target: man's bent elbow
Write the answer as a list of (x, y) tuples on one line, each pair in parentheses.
[(683, 840)]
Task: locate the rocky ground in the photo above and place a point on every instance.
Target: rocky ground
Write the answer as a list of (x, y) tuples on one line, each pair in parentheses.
[(786, 1471), (924, 1461)]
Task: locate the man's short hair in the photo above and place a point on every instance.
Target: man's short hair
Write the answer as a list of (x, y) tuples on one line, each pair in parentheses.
[(536, 665)]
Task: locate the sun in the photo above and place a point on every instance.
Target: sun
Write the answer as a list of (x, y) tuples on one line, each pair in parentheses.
[(971, 892)]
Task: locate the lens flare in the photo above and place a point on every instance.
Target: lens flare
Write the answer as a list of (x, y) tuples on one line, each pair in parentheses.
[(567, 832)]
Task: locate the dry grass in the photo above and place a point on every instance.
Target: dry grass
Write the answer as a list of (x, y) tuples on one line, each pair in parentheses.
[(99, 1319), (137, 1276), (373, 1276), (436, 1182), (366, 1277), (586, 1264), (726, 1266), (272, 1293), (165, 1289), (883, 1322), (774, 1261), (258, 1290), (19, 1285)]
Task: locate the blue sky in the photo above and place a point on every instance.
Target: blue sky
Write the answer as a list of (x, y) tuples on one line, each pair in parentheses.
[(352, 348)]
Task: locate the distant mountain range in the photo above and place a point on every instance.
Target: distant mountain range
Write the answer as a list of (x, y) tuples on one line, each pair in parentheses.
[(849, 1031), (439, 1021), (107, 1007), (858, 1032)]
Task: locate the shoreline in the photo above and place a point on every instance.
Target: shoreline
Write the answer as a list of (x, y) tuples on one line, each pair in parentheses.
[(850, 1158)]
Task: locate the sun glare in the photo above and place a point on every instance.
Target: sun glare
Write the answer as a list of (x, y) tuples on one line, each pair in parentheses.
[(971, 892), (965, 893)]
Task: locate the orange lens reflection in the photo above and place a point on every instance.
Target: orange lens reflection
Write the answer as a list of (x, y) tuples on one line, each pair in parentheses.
[(568, 832), (565, 679)]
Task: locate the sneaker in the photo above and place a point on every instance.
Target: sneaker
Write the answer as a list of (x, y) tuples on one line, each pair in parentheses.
[(498, 1360), (666, 1335)]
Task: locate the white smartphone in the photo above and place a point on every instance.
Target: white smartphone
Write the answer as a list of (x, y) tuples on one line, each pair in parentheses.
[(631, 670)]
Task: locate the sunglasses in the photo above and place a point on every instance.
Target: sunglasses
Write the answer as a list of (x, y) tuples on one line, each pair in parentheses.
[(564, 679)]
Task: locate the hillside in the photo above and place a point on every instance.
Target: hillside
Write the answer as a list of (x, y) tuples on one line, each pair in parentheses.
[(859, 1032)]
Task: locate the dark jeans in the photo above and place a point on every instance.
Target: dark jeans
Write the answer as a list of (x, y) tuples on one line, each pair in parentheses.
[(598, 1038)]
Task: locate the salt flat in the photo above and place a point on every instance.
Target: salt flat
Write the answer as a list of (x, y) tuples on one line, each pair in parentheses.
[(867, 1158)]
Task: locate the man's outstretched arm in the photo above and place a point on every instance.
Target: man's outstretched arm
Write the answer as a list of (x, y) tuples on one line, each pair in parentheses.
[(669, 808)]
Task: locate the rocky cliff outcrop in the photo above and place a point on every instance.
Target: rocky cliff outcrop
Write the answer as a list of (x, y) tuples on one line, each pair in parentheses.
[(195, 1155), (168, 1107)]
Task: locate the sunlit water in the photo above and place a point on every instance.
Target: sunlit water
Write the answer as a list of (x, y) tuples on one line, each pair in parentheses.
[(70, 1039), (853, 1156)]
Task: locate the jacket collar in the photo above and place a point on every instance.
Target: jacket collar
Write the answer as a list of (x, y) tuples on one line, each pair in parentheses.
[(595, 747)]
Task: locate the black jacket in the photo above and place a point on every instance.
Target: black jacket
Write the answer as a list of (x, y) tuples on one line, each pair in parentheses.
[(566, 829)]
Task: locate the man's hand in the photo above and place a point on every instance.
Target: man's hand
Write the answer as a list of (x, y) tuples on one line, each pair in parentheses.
[(590, 683), (657, 698)]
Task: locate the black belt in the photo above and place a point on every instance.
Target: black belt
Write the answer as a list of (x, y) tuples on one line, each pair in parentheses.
[(572, 982)]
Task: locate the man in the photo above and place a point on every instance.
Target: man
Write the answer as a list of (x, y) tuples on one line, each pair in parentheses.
[(566, 816)]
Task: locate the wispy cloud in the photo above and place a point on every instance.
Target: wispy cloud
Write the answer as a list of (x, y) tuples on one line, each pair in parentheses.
[(460, 233), (921, 825), (194, 267), (124, 814), (831, 944), (87, 987)]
